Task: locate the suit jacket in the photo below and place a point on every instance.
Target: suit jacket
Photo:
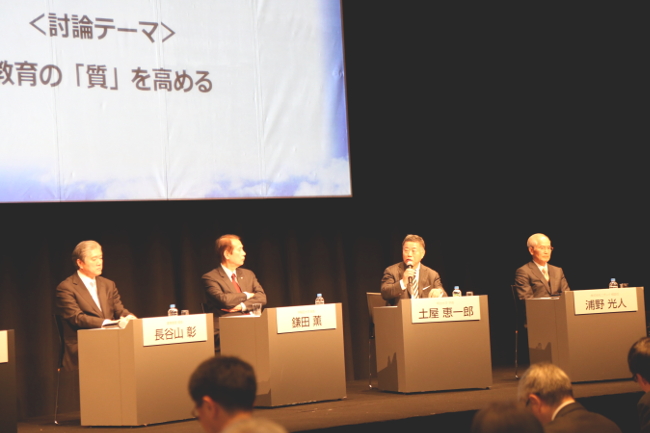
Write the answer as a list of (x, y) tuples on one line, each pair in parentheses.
[(391, 290), (643, 408), (221, 293), (79, 311), (575, 418), (531, 283)]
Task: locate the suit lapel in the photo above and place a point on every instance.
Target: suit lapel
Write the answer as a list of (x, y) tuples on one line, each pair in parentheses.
[(102, 295), (538, 274), (241, 280), (552, 278), (402, 269), (84, 294), (424, 280), (226, 280)]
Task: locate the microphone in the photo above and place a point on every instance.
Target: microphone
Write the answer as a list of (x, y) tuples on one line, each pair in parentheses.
[(409, 265)]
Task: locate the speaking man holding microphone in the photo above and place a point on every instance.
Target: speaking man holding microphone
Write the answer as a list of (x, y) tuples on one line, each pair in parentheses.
[(410, 278)]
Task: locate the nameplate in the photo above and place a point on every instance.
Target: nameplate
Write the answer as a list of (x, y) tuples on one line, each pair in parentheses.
[(4, 347), (604, 301), (306, 318), (158, 331), (451, 309)]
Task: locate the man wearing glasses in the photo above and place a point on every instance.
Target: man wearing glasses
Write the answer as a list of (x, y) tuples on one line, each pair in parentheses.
[(538, 279)]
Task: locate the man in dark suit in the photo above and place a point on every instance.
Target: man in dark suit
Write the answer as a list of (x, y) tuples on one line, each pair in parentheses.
[(546, 390), (505, 417), (410, 278), (638, 359), (86, 300), (538, 279), (231, 290)]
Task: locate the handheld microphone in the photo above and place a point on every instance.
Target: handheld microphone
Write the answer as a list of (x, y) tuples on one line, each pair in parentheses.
[(409, 265)]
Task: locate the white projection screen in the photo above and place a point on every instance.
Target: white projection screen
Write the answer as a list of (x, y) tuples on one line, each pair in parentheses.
[(172, 100)]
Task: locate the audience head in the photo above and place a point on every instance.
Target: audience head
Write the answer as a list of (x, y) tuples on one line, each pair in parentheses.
[(543, 388), (505, 418), (223, 389), (638, 359)]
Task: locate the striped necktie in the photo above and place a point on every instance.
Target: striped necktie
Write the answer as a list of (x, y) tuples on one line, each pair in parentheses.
[(414, 290)]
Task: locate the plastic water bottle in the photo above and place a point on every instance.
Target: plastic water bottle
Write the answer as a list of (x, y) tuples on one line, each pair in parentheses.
[(173, 311), (457, 291), (613, 284), (319, 299)]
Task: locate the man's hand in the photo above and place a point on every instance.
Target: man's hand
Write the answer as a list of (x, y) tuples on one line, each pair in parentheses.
[(249, 295), (408, 273), (124, 320), (234, 309)]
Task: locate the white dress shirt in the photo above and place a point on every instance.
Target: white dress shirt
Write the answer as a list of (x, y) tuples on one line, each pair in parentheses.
[(91, 285)]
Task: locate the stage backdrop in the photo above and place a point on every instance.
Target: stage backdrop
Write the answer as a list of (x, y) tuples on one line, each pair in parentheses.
[(169, 99)]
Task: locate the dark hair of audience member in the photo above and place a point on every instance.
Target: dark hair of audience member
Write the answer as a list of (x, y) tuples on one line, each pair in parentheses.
[(227, 380), (638, 358)]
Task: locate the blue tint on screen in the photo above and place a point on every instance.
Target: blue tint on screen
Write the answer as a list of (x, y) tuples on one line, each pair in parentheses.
[(336, 93)]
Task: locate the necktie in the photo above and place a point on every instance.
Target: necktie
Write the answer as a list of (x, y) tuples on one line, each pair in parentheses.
[(234, 282), (545, 273), (414, 289)]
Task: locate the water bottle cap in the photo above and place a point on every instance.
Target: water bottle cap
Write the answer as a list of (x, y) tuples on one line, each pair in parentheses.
[(613, 279), (318, 295), (172, 306), (455, 287)]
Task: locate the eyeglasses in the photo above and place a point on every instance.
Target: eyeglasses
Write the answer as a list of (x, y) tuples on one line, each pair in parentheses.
[(544, 248)]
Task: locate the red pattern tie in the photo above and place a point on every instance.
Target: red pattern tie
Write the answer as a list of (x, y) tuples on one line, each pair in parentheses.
[(234, 282)]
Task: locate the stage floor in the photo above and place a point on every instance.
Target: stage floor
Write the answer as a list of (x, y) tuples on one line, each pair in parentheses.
[(364, 405)]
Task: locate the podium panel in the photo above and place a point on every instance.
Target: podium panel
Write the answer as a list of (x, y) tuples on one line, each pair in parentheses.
[(291, 368), (124, 383), (424, 357), (8, 400), (587, 347)]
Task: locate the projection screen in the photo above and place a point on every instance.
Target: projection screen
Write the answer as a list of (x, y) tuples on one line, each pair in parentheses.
[(172, 100)]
